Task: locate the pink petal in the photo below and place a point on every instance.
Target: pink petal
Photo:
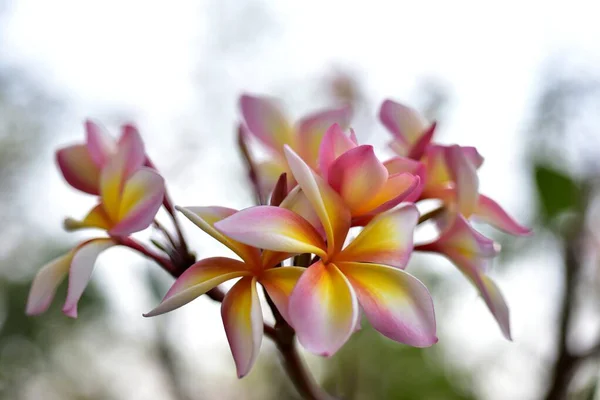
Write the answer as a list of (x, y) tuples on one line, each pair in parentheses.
[(405, 123), (99, 143), (387, 239), (78, 168), (243, 321), (357, 175), (132, 145), (297, 202), (490, 212), (496, 303), (199, 279), (398, 188), (312, 129), (335, 143), (279, 283), (328, 205), (142, 196), (82, 265), (273, 228), (206, 218), (465, 179), (44, 285), (473, 156), (266, 121), (420, 146), (323, 309), (396, 303), (398, 165)]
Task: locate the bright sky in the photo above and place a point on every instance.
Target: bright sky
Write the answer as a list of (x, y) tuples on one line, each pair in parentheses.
[(178, 67)]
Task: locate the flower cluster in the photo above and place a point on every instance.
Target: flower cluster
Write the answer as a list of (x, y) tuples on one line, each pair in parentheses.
[(318, 275)]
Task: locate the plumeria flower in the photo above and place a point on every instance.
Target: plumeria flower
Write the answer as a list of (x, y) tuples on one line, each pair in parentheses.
[(366, 185), (450, 172), (241, 310), (460, 193), (130, 194), (81, 164), (78, 264), (472, 253), (412, 134), (367, 273), (267, 122)]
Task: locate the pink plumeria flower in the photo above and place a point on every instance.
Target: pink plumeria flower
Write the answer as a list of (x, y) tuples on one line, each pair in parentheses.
[(241, 311), (366, 185), (267, 122), (450, 172), (130, 194), (81, 164), (78, 265), (368, 272), (460, 191), (472, 253), (412, 134)]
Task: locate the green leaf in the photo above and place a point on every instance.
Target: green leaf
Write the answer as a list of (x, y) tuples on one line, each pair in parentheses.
[(557, 192)]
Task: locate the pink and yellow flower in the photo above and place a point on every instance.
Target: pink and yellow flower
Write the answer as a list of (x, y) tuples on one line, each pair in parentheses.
[(82, 164), (367, 273), (472, 253), (241, 310), (366, 185), (266, 121), (450, 172), (78, 264), (130, 194)]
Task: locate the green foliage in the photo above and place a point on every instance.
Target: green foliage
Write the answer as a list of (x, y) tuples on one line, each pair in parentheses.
[(557, 192), (373, 367)]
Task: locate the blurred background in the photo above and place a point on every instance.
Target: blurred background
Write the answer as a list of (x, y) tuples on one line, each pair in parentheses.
[(519, 80)]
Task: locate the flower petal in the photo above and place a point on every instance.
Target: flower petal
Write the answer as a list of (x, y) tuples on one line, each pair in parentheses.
[(78, 168), (466, 183), (387, 239), (199, 279), (335, 143), (396, 303), (266, 121), (398, 165), (311, 130), (490, 212), (328, 205), (279, 283), (132, 145), (206, 217), (96, 218), (269, 172), (243, 321), (82, 265), (142, 196), (44, 285), (398, 188), (460, 240), (297, 202), (100, 145), (405, 123), (357, 175), (273, 228), (496, 303), (323, 309)]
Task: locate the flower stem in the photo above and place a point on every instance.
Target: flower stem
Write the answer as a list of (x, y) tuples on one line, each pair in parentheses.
[(284, 337)]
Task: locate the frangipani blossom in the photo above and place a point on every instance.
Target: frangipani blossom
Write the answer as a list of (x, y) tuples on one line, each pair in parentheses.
[(241, 311), (324, 305), (365, 184), (471, 252), (266, 121), (461, 194), (450, 172), (130, 195), (411, 132), (78, 264), (81, 164)]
